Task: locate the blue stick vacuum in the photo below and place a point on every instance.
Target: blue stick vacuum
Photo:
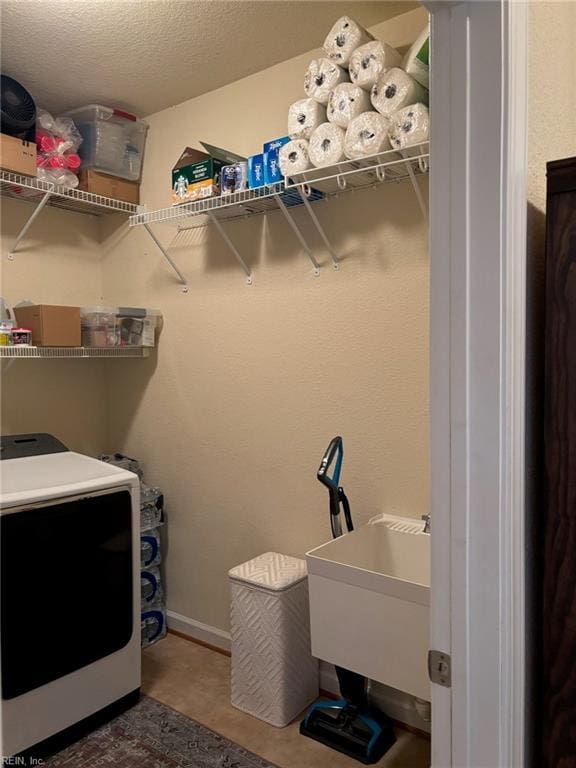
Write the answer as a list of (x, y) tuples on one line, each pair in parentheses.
[(349, 725)]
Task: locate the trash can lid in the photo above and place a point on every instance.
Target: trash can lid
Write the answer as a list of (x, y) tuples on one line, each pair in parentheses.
[(271, 571)]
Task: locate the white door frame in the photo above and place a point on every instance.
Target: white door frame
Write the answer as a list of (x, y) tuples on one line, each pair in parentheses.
[(478, 255)]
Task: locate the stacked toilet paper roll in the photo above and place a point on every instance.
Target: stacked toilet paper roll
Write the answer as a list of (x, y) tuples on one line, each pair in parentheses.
[(294, 157), (327, 145), (370, 60), (345, 36), (410, 126), (396, 89), (304, 117), (346, 102), (367, 134), (321, 77)]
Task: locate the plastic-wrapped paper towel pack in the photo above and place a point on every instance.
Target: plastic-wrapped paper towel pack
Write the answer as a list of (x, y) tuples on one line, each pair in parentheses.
[(367, 134), (327, 145), (321, 77), (394, 90), (410, 126), (345, 36), (294, 157), (369, 61), (346, 102), (304, 117)]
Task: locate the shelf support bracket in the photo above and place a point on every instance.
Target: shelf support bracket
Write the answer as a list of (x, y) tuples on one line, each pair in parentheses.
[(298, 234), (415, 186), (28, 224), (232, 247), (319, 227), (168, 258)]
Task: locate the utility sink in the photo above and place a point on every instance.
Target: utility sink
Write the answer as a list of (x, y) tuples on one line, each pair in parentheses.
[(370, 602)]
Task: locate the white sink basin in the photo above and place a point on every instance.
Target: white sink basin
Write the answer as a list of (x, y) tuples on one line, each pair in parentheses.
[(369, 602)]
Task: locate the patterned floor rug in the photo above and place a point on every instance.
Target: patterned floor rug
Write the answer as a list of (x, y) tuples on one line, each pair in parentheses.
[(151, 735)]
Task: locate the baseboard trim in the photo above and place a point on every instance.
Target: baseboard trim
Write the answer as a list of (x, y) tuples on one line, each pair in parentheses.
[(212, 637), (396, 704)]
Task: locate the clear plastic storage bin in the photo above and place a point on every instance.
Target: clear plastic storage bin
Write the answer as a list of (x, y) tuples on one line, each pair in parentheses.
[(113, 141), (118, 326)]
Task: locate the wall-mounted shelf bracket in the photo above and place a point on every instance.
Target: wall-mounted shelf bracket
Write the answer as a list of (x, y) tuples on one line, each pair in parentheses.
[(298, 234), (423, 168), (232, 247), (168, 258), (35, 213), (304, 190)]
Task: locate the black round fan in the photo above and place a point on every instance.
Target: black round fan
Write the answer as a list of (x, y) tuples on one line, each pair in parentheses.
[(17, 109)]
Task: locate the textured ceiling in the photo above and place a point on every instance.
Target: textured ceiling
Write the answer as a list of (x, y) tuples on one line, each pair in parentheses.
[(145, 55)]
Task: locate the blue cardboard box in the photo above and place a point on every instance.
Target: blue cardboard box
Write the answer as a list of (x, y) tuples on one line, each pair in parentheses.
[(256, 171), (272, 174)]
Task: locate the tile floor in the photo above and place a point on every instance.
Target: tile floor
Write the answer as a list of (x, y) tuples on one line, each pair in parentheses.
[(195, 681)]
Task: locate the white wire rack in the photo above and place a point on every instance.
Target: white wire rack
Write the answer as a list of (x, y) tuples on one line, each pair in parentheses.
[(43, 193), (350, 175), (51, 353), (301, 189), (238, 205), (215, 210)]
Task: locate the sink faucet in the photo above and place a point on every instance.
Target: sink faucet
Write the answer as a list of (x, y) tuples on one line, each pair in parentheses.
[(426, 519)]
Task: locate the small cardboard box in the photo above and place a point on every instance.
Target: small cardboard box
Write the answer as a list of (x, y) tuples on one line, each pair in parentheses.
[(196, 175), (109, 186), (17, 156), (51, 326)]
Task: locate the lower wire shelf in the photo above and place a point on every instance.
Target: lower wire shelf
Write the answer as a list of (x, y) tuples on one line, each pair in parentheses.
[(53, 353)]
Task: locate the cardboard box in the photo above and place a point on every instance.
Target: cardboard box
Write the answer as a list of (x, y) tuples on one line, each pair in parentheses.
[(17, 156), (272, 172), (51, 326), (109, 186), (196, 175)]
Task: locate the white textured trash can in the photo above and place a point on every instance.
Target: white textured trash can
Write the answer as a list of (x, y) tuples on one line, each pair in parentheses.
[(274, 675)]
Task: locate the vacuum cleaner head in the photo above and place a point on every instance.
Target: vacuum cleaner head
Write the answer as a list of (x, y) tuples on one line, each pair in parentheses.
[(366, 735)]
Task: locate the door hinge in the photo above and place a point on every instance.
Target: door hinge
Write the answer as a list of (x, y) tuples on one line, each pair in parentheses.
[(440, 668)]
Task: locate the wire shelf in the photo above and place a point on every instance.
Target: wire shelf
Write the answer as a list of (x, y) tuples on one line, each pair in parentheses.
[(52, 353), (238, 205), (33, 190), (371, 171)]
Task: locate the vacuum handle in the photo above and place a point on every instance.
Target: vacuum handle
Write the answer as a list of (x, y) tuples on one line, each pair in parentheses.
[(347, 511), (335, 447)]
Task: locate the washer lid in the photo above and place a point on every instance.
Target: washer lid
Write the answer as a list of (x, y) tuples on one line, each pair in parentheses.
[(36, 478)]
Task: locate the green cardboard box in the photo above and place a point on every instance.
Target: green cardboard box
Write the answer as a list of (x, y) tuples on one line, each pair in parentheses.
[(196, 175)]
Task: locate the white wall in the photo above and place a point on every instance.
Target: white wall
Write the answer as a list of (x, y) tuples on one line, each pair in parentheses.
[(58, 262)]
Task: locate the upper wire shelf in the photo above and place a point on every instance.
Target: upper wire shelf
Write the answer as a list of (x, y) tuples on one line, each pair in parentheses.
[(329, 181), (237, 205), (33, 190), (301, 189), (348, 175)]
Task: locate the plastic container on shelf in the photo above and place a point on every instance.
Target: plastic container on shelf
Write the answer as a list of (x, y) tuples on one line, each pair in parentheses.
[(118, 326), (113, 140)]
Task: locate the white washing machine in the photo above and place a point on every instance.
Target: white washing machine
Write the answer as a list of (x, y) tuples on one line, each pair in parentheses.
[(69, 590)]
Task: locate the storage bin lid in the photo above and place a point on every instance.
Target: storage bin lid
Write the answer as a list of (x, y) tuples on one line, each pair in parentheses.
[(271, 571)]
